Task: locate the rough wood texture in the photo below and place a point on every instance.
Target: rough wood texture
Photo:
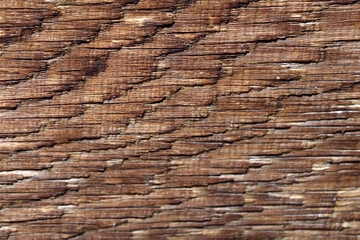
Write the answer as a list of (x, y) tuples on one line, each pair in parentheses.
[(179, 119)]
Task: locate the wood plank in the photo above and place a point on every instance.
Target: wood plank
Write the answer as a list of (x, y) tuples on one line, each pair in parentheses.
[(179, 119)]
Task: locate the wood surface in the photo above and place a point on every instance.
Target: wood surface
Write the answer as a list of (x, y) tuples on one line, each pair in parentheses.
[(179, 119)]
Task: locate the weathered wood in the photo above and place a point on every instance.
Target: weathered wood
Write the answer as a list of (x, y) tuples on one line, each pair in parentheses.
[(179, 119)]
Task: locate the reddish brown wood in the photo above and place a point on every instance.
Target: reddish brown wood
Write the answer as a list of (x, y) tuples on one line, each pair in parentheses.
[(179, 119)]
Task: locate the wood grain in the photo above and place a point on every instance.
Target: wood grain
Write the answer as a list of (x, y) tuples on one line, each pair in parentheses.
[(179, 119)]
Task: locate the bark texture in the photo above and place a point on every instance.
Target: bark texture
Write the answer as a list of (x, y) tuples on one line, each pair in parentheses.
[(179, 119)]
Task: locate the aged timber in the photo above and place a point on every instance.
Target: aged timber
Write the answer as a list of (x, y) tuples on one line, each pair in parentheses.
[(179, 119)]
